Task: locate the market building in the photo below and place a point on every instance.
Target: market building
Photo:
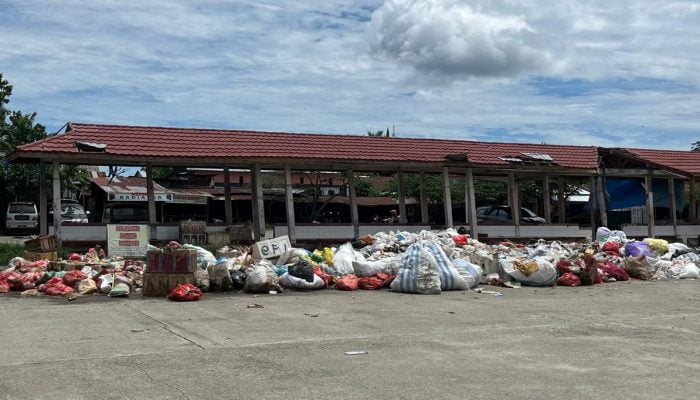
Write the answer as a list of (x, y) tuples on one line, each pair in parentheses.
[(288, 153)]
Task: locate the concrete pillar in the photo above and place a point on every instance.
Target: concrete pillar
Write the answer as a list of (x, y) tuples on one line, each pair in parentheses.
[(514, 189), (602, 201), (648, 183), (594, 205), (447, 197), (151, 202), (424, 217), (546, 200), (289, 203), (258, 204), (693, 212), (672, 205), (561, 199), (43, 212), (354, 214), (471, 204), (402, 198), (228, 207), (57, 220)]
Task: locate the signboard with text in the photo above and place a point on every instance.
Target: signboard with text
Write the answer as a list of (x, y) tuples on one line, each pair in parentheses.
[(271, 248), (136, 196), (127, 240)]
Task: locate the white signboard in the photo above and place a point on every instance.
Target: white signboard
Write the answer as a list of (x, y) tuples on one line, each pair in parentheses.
[(271, 248), (127, 240), (136, 196)]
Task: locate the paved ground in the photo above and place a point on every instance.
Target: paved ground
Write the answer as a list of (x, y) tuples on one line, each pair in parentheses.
[(633, 340)]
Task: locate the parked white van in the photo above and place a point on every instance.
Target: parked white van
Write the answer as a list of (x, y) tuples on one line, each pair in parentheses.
[(21, 216)]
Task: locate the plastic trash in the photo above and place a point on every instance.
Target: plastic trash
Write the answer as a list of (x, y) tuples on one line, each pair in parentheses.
[(185, 292), (419, 273), (293, 282), (348, 282)]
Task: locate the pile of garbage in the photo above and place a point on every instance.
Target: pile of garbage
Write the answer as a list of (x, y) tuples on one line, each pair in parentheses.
[(80, 275), (421, 263)]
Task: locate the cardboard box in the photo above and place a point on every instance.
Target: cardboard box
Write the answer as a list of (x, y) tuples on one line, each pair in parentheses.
[(161, 284), (172, 262)]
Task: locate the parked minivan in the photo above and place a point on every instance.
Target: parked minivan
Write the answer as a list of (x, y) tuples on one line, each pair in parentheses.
[(22, 215)]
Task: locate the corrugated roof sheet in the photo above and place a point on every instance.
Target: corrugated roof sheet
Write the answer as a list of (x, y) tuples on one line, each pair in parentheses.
[(196, 143), (684, 161)]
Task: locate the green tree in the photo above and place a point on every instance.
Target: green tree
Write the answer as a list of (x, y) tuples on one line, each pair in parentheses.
[(21, 181), (696, 146), (378, 133)]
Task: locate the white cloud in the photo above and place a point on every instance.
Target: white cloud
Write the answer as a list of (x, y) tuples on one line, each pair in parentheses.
[(448, 38), (615, 73)]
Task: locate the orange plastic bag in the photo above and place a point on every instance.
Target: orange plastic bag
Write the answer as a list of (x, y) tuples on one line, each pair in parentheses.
[(347, 282)]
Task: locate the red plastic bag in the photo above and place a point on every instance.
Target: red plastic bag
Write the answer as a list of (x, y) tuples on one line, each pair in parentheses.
[(347, 282), (71, 278), (612, 248), (461, 240), (55, 287), (370, 283), (564, 266), (14, 280), (569, 279), (613, 271), (324, 276), (185, 292)]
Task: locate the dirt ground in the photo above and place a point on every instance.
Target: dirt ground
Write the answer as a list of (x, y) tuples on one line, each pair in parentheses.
[(626, 340)]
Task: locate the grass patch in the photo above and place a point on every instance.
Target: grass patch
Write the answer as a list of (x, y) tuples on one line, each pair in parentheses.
[(8, 252)]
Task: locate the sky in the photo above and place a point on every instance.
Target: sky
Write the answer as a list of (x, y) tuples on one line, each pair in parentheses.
[(585, 72)]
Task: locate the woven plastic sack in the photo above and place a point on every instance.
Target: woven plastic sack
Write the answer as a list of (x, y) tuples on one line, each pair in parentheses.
[(87, 286), (259, 278), (419, 273), (369, 268), (545, 275), (470, 273), (293, 282), (450, 278)]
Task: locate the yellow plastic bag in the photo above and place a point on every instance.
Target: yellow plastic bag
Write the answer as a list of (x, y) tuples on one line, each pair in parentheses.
[(526, 268), (328, 256), (658, 246)]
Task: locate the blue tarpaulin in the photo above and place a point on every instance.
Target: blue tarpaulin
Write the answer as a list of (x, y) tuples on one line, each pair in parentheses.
[(625, 193)]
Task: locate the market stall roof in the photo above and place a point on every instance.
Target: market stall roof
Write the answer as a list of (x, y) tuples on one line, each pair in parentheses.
[(685, 162), (134, 189), (118, 144)]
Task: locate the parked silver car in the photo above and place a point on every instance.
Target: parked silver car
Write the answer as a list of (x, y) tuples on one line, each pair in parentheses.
[(502, 215), (22, 216)]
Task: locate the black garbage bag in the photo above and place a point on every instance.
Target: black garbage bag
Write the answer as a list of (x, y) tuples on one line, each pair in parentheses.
[(302, 270), (238, 278)]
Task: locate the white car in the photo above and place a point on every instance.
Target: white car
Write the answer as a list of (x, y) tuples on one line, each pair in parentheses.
[(21, 216)]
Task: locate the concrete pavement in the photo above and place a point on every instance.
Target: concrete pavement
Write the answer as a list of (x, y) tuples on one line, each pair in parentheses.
[(635, 340)]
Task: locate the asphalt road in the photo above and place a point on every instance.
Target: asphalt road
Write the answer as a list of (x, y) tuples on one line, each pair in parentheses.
[(636, 340)]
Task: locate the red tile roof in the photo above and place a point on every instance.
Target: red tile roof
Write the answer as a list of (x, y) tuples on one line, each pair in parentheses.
[(683, 161), (142, 141)]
